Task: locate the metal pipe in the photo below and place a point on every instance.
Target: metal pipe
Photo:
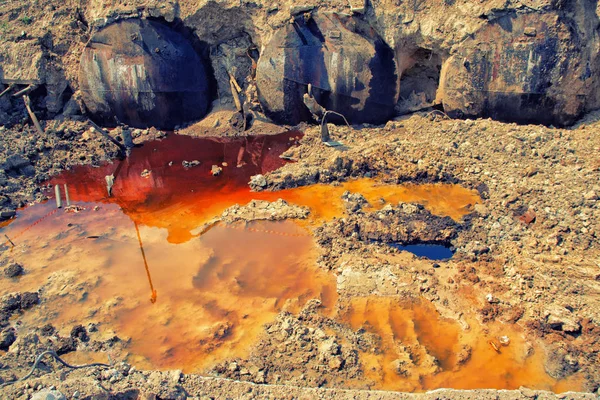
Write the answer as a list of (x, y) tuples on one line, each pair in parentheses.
[(67, 198), (57, 194), (36, 122)]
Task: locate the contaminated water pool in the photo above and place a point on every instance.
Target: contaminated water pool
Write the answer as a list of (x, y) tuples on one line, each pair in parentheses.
[(135, 264)]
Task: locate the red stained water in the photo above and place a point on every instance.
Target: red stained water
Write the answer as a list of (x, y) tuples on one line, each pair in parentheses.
[(181, 199), (188, 304), (172, 196)]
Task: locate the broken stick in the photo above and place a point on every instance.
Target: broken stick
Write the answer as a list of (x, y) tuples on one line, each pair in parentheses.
[(8, 89), (10, 241), (236, 96), (25, 91), (122, 148), (32, 115)]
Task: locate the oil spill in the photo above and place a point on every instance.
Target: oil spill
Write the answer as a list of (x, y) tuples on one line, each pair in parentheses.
[(416, 350), (436, 252), (454, 201)]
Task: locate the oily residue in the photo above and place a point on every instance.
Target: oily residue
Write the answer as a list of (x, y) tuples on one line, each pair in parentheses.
[(128, 263), (419, 350), (156, 186), (169, 183)]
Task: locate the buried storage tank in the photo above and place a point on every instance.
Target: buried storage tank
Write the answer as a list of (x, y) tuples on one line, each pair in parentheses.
[(351, 70), (523, 69), (145, 74)]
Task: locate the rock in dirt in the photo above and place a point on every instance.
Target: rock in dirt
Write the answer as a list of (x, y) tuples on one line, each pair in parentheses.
[(65, 345), (29, 299), (15, 162), (258, 182), (48, 395), (560, 318), (79, 332), (7, 337), (13, 270)]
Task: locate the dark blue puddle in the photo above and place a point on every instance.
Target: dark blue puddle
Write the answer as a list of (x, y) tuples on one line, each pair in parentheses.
[(431, 251)]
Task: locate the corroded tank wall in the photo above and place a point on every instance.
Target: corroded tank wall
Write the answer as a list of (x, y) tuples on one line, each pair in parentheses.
[(521, 68), (145, 74), (351, 69)]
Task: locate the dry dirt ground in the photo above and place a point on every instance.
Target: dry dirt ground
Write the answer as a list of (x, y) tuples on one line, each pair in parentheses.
[(528, 254)]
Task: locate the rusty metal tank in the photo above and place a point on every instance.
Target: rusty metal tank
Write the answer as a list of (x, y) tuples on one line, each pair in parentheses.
[(350, 68), (144, 73), (520, 68)]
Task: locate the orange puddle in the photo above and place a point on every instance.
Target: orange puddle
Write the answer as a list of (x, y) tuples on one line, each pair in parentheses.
[(189, 304), (419, 350), (212, 295), (181, 199)]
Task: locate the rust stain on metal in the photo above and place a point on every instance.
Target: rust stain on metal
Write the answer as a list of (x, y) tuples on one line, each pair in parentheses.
[(123, 75), (352, 71)]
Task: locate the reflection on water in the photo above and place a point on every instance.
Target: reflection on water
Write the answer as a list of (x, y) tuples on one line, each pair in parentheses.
[(180, 199), (435, 252), (158, 186), (192, 305), (129, 262)]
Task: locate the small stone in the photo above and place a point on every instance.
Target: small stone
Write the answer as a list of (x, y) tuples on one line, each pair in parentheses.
[(504, 340), (7, 214), (16, 162), (145, 173), (13, 270), (189, 164), (258, 181), (591, 195), (335, 363), (48, 395), (299, 9), (358, 6), (176, 376), (216, 170), (530, 31), (232, 367), (7, 338), (79, 332), (528, 217)]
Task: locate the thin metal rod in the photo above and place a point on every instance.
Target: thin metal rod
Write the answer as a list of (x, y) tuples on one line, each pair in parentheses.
[(67, 198), (152, 290), (8, 89), (25, 91), (101, 131), (10, 241)]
